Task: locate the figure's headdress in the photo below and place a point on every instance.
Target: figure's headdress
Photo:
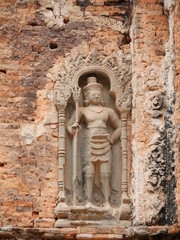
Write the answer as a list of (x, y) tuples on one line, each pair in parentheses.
[(92, 84)]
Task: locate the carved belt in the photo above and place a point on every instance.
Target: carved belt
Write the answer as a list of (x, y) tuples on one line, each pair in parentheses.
[(100, 145)]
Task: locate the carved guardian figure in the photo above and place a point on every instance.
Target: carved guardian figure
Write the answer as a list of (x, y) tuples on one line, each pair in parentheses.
[(97, 157)]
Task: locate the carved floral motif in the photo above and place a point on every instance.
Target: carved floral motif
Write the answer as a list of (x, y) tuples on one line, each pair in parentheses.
[(155, 161), (155, 173), (157, 167), (153, 105)]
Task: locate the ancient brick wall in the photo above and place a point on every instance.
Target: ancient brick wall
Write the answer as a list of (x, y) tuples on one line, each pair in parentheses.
[(177, 91), (23, 72), (33, 38), (153, 84), (37, 34)]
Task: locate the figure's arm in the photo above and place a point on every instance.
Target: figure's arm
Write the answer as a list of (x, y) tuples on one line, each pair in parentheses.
[(73, 124), (116, 125)]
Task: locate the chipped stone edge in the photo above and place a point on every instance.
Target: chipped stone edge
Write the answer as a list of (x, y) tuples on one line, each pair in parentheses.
[(76, 233)]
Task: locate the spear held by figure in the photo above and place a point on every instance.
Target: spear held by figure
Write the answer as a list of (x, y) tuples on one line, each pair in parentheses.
[(76, 91)]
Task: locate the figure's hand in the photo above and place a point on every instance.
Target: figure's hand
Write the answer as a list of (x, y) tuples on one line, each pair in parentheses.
[(110, 139), (76, 126), (72, 128)]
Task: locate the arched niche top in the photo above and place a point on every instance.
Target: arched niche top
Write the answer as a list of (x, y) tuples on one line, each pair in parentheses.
[(95, 70), (115, 76)]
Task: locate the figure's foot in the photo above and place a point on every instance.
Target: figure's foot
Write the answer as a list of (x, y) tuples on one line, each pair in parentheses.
[(89, 205), (106, 206)]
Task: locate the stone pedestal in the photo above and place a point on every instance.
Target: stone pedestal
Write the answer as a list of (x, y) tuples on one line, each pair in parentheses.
[(93, 216)]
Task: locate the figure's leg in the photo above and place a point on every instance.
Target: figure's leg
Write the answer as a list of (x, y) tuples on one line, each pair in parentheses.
[(105, 178), (105, 181), (89, 186), (89, 183)]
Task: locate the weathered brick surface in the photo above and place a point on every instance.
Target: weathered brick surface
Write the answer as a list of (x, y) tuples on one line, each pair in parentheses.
[(28, 183), (153, 60), (161, 233), (177, 103), (28, 122)]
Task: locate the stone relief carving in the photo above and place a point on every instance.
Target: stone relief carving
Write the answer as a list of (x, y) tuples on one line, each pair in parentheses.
[(154, 103), (97, 141), (57, 13), (156, 176), (92, 143), (150, 76), (155, 163)]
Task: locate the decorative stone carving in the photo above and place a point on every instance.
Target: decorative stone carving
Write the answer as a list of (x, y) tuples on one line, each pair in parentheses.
[(92, 143), (55, 12), (150, 142), (153, 105), (156, 175), (58, 13), (157, 167), (97, 141), (152, 78)]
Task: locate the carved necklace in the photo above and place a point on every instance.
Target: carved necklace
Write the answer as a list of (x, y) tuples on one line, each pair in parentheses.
[(96, 109)]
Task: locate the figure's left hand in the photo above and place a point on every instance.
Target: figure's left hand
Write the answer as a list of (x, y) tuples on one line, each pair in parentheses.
[(110, 139)]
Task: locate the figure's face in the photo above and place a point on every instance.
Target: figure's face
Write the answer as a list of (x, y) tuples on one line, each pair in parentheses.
[(94, 96)]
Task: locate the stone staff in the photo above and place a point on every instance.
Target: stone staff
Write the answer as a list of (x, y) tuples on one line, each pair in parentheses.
[(76, 91)]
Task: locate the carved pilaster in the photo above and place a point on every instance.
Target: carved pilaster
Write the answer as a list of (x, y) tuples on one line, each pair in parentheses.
[(124, 107), (60, 99), (61, 153)]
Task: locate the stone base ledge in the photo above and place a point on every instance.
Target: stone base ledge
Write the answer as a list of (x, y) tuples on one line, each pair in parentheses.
[(86, 233)]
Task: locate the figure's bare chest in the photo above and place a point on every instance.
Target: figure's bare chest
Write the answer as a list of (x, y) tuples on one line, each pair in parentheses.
[(95, 114)]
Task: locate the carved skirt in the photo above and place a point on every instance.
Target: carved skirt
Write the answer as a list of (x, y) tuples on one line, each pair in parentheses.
[(97, 151)]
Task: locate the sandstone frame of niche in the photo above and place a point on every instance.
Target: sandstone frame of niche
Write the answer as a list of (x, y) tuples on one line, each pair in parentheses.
[(119, 77)]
